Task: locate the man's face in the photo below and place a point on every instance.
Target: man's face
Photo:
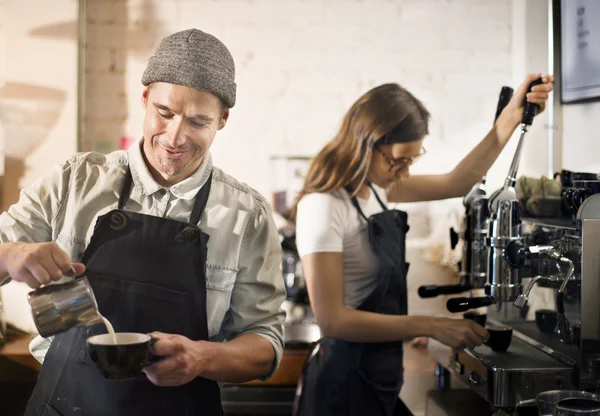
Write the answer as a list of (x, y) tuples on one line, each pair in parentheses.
[(180, 125)]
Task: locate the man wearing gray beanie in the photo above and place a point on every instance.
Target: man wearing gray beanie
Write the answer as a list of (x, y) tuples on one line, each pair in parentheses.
[(172, 247)]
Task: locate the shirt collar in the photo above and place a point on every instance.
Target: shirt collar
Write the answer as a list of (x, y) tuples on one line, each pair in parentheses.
[(146, 185)]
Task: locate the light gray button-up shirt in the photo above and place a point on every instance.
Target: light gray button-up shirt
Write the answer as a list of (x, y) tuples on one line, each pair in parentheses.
[(244, 284)]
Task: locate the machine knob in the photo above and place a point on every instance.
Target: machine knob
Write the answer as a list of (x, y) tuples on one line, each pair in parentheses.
[(516, 254), (476, 378)]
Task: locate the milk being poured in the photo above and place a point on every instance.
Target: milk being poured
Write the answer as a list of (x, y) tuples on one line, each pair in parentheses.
[(110, 329)]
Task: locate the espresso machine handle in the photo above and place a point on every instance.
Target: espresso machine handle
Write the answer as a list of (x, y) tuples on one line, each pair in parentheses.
[(431, 291), (464, 304), (506, 94), (531, 109)]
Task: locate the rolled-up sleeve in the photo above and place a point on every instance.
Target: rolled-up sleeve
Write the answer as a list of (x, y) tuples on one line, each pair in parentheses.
[(259, 291), (31, 219)]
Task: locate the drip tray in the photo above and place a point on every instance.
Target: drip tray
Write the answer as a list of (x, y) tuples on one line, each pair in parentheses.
[(505, 378), (519, 356)]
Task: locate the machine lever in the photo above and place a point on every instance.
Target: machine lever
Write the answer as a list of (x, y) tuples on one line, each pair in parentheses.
[(531, 109), (464, 304), (431, 291), (506, 94)]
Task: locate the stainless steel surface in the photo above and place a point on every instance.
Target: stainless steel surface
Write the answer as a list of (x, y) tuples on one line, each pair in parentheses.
[(504, 283), (522, 300), (480, 216), (59, 307), (504, 379), (565, 259), (552, 254), (511, 178), (546, 401), (589, 344)]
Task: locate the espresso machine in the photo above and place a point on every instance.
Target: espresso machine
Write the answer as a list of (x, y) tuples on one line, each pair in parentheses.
[(473, 231), (542, 280)]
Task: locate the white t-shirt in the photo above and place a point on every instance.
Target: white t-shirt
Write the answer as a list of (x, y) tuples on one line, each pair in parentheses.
[(329, 223)]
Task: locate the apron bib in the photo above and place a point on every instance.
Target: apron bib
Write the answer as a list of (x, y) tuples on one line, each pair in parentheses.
[(148, 274), (351, 379)]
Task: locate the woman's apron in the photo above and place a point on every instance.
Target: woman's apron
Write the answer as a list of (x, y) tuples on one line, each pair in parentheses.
[(346, 378)]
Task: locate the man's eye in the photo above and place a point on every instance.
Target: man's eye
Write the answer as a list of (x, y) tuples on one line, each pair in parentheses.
[(196, 124), (165, 115)]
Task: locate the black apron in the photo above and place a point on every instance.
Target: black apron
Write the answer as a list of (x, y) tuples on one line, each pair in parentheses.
[(148, 274), (346, 378)]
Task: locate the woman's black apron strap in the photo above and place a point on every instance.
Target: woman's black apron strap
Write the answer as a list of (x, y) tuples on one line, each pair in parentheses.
[(383, 206), (356, 205)]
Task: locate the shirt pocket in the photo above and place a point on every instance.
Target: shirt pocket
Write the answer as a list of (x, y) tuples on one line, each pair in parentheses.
[(219, 286), (73, 246)]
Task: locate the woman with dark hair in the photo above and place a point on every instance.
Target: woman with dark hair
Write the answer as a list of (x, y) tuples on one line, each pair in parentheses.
[(353, 247)]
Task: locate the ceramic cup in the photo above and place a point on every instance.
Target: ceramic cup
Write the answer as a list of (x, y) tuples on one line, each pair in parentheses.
[(122, 360)]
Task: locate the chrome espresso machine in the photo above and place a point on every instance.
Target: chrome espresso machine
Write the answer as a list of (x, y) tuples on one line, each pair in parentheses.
[(542, 279)]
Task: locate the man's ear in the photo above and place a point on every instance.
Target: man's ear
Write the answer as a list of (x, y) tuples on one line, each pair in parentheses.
[(145, 94), (224, 119)]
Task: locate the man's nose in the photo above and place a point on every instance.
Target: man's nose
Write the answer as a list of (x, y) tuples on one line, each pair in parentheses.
[(175, 136)]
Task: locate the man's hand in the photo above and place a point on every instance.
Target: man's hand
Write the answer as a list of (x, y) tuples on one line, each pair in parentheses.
[(184, 359), (36, 264), (459, 333)]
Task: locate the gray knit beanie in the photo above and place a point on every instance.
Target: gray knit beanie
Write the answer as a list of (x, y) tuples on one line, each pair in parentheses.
[(194, 59)]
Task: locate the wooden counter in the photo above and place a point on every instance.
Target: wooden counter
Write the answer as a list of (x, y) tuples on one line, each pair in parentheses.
[(288, 372), (17, 349)]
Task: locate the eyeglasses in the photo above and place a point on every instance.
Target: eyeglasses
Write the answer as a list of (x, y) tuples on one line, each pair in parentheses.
[(401, 162)]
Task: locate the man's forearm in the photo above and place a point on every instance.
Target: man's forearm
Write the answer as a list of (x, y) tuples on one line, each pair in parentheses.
[(4, 253), (245, 358)]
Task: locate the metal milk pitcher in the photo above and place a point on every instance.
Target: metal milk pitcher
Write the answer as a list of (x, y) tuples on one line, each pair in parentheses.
[(59, 307)]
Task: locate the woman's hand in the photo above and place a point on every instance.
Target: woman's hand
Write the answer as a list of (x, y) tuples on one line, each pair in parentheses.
[(512, 115), (458, 333)]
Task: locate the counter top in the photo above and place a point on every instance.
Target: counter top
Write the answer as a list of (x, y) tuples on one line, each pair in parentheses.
[(17, 349)]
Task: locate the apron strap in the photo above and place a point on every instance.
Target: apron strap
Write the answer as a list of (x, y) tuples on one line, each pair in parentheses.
[(125, 189), (201, 200), (383, 206), (199, 204), (354, 201)]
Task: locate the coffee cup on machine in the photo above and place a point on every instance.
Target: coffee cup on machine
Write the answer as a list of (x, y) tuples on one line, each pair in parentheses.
[(564, 176), (575, 197), (124, 360), (500, 337), (546, 320)]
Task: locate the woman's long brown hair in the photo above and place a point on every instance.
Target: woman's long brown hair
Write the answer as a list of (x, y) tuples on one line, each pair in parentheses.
[(346, 159)]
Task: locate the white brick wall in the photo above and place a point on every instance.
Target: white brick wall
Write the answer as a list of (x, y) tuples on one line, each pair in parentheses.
[(38, 45), (301, 63)]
